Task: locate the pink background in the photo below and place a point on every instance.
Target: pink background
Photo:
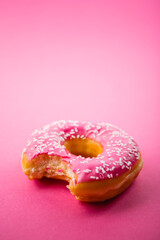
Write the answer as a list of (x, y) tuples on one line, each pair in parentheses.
[(80, 60)]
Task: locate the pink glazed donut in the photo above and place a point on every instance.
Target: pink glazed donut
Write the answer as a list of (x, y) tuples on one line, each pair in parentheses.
[(98, 160)]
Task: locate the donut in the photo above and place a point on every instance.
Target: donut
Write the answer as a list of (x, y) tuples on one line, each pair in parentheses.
[(98, 160)]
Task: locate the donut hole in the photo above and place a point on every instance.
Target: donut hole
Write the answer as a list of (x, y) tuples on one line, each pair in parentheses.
[(85, 147)]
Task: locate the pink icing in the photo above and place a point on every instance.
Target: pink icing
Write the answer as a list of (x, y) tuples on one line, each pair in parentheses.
[(120, 151)]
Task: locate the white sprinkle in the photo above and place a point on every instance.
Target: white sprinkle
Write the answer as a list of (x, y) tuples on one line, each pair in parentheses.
[(92, 177), (76, 130), (72, 136), (97, 170), (78, 171), (87, 170), (46, 127), (51, 152), (128, 167), (85, 161), (102, 161)]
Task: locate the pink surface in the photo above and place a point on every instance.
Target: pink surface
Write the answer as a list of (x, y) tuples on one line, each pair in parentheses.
[(79, 60)]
